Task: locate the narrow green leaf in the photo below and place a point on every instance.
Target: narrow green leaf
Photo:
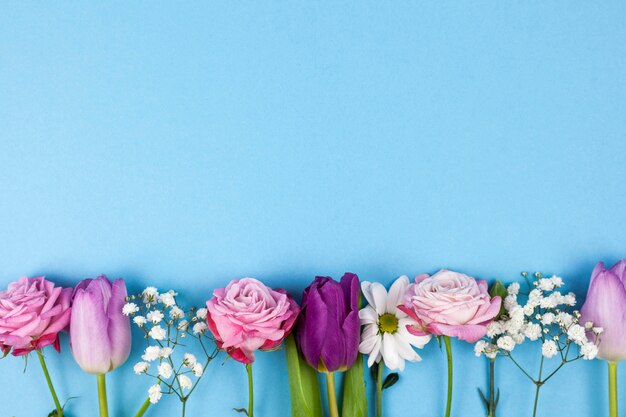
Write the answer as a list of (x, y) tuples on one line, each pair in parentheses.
[(303, 383), (390, 380), (482, 396), (354, 397)]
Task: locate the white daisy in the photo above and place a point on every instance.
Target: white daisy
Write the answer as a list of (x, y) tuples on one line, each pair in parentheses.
[(384, 333)]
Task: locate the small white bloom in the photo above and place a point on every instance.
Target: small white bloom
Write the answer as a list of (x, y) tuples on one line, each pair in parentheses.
[(154, 392), (167, 299), (548, 318), (557, 281), (155, 316), (141, 367), (479, 347), (529, 309), (129, 308), (535, 295), (548, 349), (570, 299), (518, 338), (197, 370), (491, 351), (150, 294), (565, 319), (157, 333), (598, 330), (165, 370), (139, 321), (589, 351), (547, 302), (513, 289), (151, 353), (506, 343), (185, 382), (189, 360), (201, 313), (576, 333), (588, 325), (533, 331), (176, 313), (494, 328), (165, 352), (183, 325), (546, 284), (199, 328), (510, 301)]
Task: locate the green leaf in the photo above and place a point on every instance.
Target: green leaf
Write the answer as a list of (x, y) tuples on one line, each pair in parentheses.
[(499, 290), (354, 397), (390, 380), (482, 396), (303, 383)]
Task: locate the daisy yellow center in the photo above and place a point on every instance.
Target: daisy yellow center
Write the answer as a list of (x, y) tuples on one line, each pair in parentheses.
[(388, 323)]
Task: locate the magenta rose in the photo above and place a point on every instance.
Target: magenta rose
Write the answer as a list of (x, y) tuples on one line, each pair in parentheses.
[(450, 304), (247, 316), (32, 313)]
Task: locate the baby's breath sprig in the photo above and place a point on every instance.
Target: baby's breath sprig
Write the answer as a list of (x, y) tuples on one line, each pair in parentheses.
[(547, 316), (166, 326)]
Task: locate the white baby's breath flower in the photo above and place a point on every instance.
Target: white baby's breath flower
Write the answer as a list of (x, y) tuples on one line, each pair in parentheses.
[(183, 325), (201, 313), (155, 316), (151, 353), (197, 370), (565, 319), (569, 299), (185, 382), (165, 352), (513, 288), (506, 343), (199, 328), (546, 284), (167, 299), (598, 330), (518, 338), (176, 313), (141, 367), (494, 328), (510, 301), (548, 349), (548, 318), (165, 370), (150, 294), (158, 333), (576, 333), (535, 296), (129, 308), (479, 347), (189, 360), (139, 321), (547, 302), (491, 351), (154, 393), (532, 331), (589, 351)]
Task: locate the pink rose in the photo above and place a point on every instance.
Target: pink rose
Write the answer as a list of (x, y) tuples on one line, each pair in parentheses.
[(32, 313), (247, 315), (450, 304)]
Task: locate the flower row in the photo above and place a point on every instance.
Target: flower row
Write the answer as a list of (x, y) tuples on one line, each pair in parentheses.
[(327, 332)]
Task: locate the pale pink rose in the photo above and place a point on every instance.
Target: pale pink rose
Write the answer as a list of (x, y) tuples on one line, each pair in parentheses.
[(247, 316), (450, 304), (32, 313)]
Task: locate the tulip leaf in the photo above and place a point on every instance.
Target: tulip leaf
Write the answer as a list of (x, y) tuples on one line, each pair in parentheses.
[(354, 396), (303, 383), (390, 380)]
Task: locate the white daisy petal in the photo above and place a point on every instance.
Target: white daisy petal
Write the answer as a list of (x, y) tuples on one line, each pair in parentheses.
[(396, 293), (417, 341), (379, 295), (368, 315), (405, 350), (389, 351), (375, 353), (367, 293)]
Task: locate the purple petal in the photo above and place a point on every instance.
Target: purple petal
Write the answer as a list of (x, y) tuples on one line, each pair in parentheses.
[(89, 339), (119, 325)]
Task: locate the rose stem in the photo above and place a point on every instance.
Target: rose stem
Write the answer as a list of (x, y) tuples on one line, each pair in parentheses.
[(613, 389), (102, 395), (332, 394), (57, 404), (250, 391), (449, 354), (379, 390)]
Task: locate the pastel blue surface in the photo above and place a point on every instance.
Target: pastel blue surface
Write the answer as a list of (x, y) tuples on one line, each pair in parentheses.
[(185, 145)]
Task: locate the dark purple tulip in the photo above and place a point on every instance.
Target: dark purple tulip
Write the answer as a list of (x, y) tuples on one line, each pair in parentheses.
[(328, 330), (605, 306)]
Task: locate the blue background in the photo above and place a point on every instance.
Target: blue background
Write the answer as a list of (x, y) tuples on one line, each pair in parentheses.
[(183, 145)]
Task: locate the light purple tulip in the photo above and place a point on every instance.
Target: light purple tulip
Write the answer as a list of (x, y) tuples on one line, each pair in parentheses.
[(605, 306), (99, 333)]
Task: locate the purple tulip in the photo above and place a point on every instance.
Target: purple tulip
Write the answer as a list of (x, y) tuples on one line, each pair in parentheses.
[(99, 332), (328, 330), (605, 307)]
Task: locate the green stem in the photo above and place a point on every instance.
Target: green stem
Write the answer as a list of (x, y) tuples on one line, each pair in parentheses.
[(250, 391), (57, 404), (492, 383), (538, 383), (102, 395), (144, 408), (185, 406), (332, 394), (613, 389), (379, 390), (446, 339)]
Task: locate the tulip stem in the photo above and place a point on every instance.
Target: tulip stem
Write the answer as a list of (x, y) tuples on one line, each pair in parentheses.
[(250, 390), (379, 390), (144, 408), (102, 395), (613, 389), (332, 394), (446, 339), (57, 404)]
